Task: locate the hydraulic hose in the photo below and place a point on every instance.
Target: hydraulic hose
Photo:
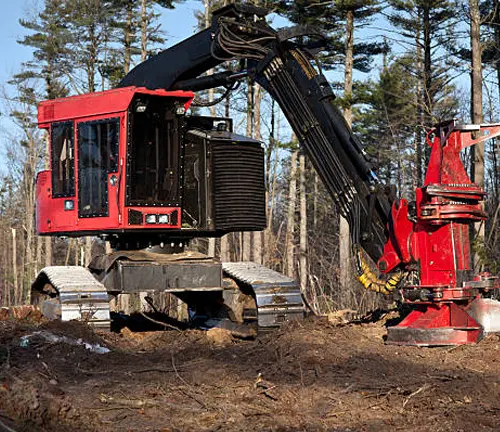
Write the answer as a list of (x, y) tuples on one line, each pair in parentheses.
[(369, 278)]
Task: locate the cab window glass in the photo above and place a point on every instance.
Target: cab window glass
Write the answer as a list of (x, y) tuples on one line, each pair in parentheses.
[(97, 157), (63, 162), (153, 153)]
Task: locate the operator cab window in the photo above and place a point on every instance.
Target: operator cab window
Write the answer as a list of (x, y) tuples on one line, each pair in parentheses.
[(153, 153), (63, 162), (97, 157)]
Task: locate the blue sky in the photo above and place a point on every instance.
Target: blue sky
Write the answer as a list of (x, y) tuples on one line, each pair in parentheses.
[(177, 24), (10, 31), (13, 55)]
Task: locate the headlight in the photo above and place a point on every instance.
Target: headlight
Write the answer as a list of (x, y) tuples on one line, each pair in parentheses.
[(163, 219), (150, 219)]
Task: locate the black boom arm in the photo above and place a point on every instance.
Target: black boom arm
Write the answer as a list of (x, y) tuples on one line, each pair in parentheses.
[(282, 63), (190, 58)]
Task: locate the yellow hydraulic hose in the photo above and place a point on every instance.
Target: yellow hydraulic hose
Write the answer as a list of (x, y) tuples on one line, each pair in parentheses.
[(370, 280)]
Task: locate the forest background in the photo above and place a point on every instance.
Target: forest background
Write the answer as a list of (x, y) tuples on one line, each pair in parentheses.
[(398, 67)]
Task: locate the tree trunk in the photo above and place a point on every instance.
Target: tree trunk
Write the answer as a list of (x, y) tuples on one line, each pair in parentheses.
[(224, 248), (315, 200), (344, 230), (477, 73), (344, 253), (14, 265), (349, 63), (144, 30), (38, 258), (290, 227), (427, 91), (92, 59), (211, 93), (303, 225), (257, 235), (246, 245), (48, 251), (21, 281), (496, 22), (29, 209), (419, 138), (477, 151), (271, 175), (88, 250), (128, 36), (211, 247), (76, 245), (5, 266), (28, 238)]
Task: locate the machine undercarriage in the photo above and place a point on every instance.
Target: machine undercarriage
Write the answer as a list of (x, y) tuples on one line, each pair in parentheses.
[(216, 294)]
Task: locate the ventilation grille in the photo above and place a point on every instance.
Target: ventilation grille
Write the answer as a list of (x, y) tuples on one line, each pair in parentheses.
[(238, 186)]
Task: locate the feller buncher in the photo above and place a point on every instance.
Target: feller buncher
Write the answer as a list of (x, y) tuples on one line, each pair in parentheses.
[(132, 166)]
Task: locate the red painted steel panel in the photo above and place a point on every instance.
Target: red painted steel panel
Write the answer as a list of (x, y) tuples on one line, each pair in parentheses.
[(51, 215), (98, 104)]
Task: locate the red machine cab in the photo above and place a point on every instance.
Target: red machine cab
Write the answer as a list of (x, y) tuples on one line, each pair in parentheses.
[(117, 168)]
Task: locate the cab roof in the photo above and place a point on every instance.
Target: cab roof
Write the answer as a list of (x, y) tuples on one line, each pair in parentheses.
[(99, 104)]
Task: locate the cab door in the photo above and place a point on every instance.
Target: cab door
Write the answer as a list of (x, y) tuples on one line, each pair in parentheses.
[(98, 145)]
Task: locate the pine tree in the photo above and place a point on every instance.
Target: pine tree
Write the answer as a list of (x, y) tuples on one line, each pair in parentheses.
[(386, 122), (490, 10), (330, 19), (491, 46), (126, 26), (151, 35), (427, 25), (356, 55), (137, 35), (91, 25), (49, 40), (321, 17)]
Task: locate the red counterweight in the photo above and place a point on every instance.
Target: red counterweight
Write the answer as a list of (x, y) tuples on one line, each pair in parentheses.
[(430, 239)]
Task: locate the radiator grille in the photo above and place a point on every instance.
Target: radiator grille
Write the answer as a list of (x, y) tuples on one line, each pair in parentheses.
[(238, 186)]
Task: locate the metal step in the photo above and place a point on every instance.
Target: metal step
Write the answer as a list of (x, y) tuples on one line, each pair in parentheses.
[(278, 297)]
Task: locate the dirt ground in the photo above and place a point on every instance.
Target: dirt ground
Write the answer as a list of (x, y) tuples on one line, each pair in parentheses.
[(307, 376)]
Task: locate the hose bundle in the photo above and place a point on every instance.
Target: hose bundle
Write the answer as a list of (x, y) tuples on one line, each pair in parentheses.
[(247, 41), (369, 278)]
